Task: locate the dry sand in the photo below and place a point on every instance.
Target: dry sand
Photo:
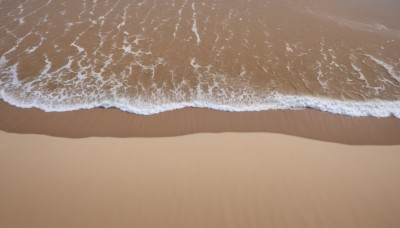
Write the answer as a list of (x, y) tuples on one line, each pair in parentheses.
[(202, 180)]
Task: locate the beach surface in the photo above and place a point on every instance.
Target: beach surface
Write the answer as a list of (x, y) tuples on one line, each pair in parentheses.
[(181, 113), (201, 180), (102, 122), (128, 177)]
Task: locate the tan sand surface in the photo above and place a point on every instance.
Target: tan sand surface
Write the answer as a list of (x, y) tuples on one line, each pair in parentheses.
[(202, 180)]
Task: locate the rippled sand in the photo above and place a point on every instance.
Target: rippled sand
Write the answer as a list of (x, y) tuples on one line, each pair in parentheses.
[(151, 56)]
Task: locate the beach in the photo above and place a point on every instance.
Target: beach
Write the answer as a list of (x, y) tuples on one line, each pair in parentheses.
[(100, 122), (196, 114), (86, 169), (200, 180)]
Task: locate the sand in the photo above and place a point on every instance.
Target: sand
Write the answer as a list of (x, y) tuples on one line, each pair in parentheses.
[(201, 180), (107, 168), (99, 122)]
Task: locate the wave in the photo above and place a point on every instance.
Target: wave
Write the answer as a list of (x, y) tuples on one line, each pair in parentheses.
[(233, 60), (274, 101)]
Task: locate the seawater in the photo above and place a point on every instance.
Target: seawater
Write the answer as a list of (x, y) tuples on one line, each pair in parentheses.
[(150, 56)]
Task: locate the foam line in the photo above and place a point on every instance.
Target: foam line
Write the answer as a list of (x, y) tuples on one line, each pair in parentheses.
[(388, 67), (194, 26), (275, 101)]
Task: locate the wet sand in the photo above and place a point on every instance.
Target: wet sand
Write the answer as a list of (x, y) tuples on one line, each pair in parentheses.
[(310, 123), (203, 180)]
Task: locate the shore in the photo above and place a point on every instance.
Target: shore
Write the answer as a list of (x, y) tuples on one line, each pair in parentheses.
[(201, 180), (108, 168), (312, 124), (199, 167)]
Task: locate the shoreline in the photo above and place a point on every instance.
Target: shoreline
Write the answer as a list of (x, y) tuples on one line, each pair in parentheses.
[(100, 122), (276, 101)]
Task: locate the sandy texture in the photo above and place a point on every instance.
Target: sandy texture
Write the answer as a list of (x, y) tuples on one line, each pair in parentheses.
[(115, 123), (204, 180)]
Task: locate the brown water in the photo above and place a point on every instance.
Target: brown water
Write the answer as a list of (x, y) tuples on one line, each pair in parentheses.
[(150, 56)]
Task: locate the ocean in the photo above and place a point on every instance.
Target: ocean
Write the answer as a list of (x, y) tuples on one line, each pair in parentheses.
[(151, 56)]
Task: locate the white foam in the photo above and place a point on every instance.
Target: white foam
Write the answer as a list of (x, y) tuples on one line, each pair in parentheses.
[(194, 64), (320, 77), (194, 26), (79, 48), (388, 67), (32, 49), (276, 101), (179, 18), (289, 49), (359, 25), (160, 99), (3, 61), (14, 75), (360, 73)]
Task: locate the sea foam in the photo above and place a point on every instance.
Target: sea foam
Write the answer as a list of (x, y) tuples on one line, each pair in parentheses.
[(275, 101)]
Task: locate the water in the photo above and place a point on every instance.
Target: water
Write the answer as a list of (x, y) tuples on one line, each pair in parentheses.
[(151, 56)]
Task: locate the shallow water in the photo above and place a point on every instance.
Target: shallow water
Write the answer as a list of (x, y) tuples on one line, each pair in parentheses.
[(151, 56)]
